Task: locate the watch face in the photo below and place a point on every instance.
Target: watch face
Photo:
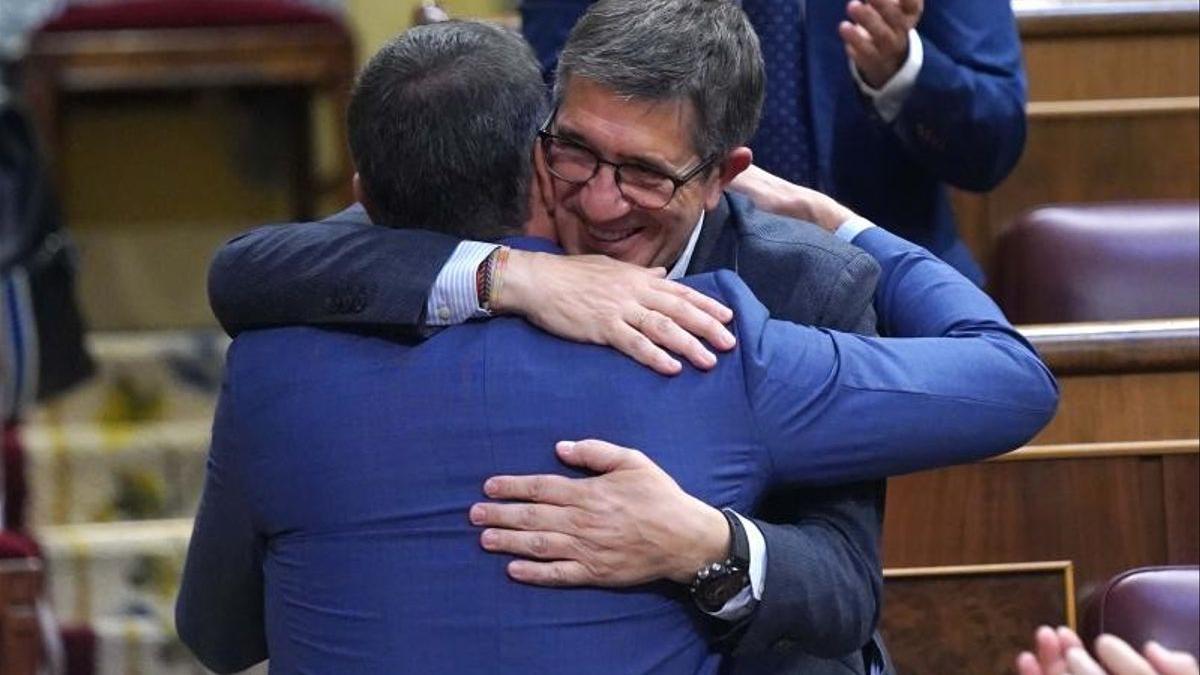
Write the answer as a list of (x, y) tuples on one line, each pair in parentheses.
[(715, 592)]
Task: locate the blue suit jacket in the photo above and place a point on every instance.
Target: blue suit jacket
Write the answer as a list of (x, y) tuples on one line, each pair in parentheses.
[(333, 512), (963, 123)]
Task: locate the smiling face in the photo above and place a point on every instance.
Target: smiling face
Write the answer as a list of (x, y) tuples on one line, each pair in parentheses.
[(594, 217)]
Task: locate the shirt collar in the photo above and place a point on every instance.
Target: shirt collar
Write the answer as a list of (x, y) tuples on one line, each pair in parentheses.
[(685, 258)]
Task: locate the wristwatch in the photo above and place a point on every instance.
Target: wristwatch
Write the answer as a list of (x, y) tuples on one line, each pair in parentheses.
[(719, 582)]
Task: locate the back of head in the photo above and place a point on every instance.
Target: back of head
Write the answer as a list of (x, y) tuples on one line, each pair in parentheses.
[(702, 50), (441, 123)]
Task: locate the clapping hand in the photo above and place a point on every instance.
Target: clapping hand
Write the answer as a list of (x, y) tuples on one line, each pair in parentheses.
[(1061, 652), (876, 36)]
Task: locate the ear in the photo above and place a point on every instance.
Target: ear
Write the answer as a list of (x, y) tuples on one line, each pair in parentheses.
[(360, 196), (541, 199), (737, 161)]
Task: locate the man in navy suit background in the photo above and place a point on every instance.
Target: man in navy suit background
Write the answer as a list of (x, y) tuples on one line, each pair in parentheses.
[(332, 525)]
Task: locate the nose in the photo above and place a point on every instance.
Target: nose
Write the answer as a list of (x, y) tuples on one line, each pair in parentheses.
[(600, 199)]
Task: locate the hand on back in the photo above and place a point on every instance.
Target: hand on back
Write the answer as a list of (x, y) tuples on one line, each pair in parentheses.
[(635, 310)]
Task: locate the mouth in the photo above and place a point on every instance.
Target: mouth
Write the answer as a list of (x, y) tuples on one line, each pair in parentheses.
[(612, 236)]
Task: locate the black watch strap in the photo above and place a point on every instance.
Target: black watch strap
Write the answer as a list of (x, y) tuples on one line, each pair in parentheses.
[(719, 582), (739, 542)]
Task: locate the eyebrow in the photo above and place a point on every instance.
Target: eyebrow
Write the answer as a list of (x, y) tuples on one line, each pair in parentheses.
[(634, 160)]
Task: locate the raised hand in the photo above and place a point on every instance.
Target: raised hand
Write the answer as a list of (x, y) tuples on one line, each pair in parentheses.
[(876, 36)]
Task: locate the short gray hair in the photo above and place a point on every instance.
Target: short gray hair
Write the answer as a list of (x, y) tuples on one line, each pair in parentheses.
[(704, 51)]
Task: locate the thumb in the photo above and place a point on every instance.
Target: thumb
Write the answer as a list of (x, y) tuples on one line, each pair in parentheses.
[(599, 456), (1170, 663)]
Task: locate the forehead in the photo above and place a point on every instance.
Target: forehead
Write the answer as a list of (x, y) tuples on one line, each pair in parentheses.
[(626, 127)]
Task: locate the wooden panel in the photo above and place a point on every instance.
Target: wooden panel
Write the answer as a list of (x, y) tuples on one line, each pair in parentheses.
[(1111, 66), (1105, 515), (1182, 502), (970, 620), (1137, 407)]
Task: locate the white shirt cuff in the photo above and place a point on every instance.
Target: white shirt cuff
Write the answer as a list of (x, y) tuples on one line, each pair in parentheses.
[(889, 98), (454, 298), (850, 229), (744, 602)]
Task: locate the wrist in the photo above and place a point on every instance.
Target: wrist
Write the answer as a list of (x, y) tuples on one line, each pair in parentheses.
[(512, 282), (709, 543)]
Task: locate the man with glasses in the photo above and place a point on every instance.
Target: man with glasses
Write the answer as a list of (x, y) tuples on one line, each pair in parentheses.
[(654, 102)]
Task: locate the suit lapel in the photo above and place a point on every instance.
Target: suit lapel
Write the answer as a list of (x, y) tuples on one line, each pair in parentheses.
[(717, 246)]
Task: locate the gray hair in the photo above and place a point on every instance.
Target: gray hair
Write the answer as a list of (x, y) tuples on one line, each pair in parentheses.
[(703, 51), (441, 125)]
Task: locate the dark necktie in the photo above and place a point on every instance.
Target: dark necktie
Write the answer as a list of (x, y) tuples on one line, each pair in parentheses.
[(782, 144)]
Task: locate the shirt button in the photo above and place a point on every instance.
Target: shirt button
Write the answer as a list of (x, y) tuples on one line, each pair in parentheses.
[(444, 313)]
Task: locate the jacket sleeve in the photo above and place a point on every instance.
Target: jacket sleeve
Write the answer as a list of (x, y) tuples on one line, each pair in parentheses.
[(956, 384), (325, 273), (964, 119), (219, 611), (823, 583)]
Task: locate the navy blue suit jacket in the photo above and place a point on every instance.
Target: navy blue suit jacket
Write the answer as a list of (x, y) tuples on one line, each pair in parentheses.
[(332, 533), (963, 124)]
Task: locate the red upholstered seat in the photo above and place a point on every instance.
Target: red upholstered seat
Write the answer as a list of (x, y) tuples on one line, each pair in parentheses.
[(187, 14), (1100, 262), (1148, 603)]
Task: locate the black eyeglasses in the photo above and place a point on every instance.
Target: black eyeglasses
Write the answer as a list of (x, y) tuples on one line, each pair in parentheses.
[(640, 185)]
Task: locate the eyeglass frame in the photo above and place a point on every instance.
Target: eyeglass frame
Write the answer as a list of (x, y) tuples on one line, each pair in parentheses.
[(546, 137)]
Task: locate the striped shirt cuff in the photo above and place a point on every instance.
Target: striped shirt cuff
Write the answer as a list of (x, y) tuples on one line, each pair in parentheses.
[(454, 298)]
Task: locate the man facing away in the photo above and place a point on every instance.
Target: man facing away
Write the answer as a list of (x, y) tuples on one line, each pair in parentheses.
[(331, 535)]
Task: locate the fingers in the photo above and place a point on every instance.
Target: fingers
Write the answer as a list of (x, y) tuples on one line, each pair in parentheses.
[(528, 517), (1068, 638), (892, 14), (867, 17), (1168, 662), (1119, 658), (1050, 651), (1027, 664), (557, 573), (696, 312), (667, 334), (545, 489), (539, 545), (858, 42), (635, 345), (1079, 663), (912, 9), (600, 456)]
